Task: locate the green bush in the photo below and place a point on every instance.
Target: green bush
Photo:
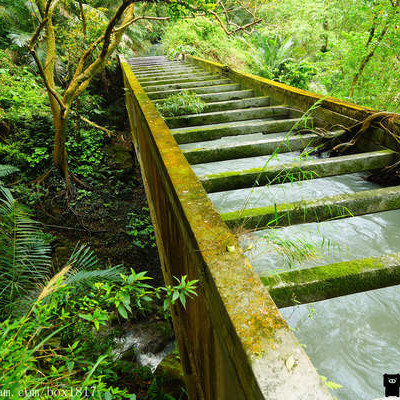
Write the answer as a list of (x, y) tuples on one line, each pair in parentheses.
[(181, 104), (26, 126), (205, 38), (141, 229)]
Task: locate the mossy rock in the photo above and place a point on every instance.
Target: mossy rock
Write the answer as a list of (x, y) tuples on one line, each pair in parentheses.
[(170, 376), (119, 155)]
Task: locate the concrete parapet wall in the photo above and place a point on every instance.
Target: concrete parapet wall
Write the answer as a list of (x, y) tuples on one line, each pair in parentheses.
[(233, 342)]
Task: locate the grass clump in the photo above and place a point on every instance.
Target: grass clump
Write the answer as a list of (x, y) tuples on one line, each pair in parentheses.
[(181, 104)]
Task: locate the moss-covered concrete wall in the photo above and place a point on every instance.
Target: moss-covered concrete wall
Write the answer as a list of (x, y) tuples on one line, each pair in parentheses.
[(234, 343)]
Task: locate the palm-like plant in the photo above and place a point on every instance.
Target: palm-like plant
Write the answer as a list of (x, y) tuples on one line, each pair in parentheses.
[(17, 21), (25, 255), (272, 53)]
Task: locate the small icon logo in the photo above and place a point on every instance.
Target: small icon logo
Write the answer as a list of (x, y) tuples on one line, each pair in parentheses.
[(392, 385)]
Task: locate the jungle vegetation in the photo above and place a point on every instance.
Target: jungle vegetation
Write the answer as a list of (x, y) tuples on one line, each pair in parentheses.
[(66, 168)]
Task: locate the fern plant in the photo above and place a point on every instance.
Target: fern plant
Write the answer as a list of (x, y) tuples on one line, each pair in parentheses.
[(25, 255), (272, 54)]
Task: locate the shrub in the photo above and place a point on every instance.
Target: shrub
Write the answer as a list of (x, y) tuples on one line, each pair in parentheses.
[(141, 229), (204, 38)]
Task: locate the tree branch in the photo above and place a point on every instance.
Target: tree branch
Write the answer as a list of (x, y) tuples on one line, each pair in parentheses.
[(31, 46), (109, 132), (46, 83), (83, 17), (239, 28)]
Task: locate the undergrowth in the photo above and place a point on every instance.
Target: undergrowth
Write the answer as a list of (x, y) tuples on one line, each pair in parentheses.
[(181, 104)]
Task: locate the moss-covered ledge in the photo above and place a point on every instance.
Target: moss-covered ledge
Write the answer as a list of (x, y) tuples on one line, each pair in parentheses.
[(333, 280), (330, 109), (299, 170), (327, 208)]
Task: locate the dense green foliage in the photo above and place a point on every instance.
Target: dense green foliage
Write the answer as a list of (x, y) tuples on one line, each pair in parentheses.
[(25, 119), (316, 45), (57, 331), (205, 38)]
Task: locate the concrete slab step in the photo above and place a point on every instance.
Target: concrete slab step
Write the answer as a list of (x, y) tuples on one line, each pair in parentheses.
[(200, 90), (171, 76), (216, 131), (238, 104), (172, 71), (250, 149), (299, 170), (187, 85), (163, 64), (333, 280), (227, 96), (225, 116), (317, 210), (203, 77)]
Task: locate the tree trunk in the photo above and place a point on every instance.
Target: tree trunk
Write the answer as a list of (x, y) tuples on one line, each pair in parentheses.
[(60, 152)]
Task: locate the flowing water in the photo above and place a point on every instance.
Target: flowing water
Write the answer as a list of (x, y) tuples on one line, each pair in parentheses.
[(352, 340), (332, 241)]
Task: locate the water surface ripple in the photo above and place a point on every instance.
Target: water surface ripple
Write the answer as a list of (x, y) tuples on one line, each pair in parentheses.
[(353, 340)]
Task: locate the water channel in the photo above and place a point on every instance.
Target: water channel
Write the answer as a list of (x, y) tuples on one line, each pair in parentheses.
[(352, 340)]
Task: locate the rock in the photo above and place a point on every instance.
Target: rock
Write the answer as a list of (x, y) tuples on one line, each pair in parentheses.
[(170, 376), (120, 156), (146, 343)]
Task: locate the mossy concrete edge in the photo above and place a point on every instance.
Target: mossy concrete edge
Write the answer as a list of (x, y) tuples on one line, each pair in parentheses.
[(331, 109), (326, 208), (333, 280)]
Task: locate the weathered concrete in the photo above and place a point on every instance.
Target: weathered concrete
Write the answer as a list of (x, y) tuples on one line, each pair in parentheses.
[(332, 110), (238, 104), (301, 170), (217, 152), (187, 85), (327, 208), (216, 131), (174, 76), (233, 341), (177, 71), (159, 82), (200, 90), (333, 280), (225, 116), (231, 95)]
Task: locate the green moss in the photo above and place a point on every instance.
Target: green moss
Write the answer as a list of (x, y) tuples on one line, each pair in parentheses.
[(339, 206), (323, 282)]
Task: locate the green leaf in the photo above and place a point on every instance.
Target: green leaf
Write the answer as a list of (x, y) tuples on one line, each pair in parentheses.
[(175, 295), (88, 317), (122, 311), (183, 299)]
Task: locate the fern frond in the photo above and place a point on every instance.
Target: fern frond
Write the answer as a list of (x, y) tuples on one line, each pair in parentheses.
[(87, 278), (6, 170)]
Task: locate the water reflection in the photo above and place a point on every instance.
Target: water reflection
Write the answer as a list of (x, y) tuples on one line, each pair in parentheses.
[(353, 340)]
